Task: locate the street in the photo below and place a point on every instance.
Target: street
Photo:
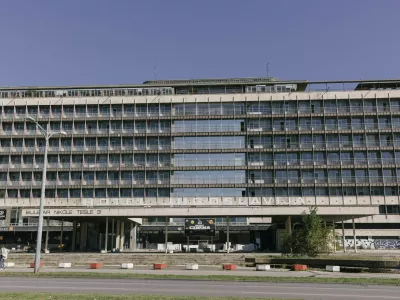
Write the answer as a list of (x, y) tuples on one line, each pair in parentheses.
[(198, 288)]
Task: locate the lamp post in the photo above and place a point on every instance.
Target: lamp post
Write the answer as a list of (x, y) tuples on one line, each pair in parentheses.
[(47, 135)]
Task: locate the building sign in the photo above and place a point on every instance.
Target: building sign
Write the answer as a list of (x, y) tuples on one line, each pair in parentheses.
[(196, 226), (3, 214), (7, 228), (103, 207), (167, 201), (194, 201), (63, 212)]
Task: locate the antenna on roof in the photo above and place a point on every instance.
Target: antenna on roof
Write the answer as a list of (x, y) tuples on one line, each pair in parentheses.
[(155, 72), (267, 68)]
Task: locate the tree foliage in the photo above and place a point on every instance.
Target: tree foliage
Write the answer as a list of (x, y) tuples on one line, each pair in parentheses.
[(309, 237)]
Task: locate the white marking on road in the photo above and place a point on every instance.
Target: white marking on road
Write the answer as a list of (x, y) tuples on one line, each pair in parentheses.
[(327, 295), (168, 283)]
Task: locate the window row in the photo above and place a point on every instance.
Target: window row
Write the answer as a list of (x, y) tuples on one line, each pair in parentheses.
[(290, 107), (354, 123), (90, 142), (226, 159), (88, 159), (319, 158), (87, 92), (90, 126), (85, 193), (317, 141), (333, 176), (88, 176), (185, 109), (325, 191), (163, 192)]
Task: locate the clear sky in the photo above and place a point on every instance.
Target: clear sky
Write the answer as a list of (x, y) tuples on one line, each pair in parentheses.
[(49, 42)]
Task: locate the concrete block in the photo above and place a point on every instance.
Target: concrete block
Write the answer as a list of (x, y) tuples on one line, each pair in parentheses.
[(96, 265), (229, 267), (263, 267), (64, 265), (191, 267), (9, 264), (333, 268), (32, 265), (127, 266), (159, 266), (299, 267)]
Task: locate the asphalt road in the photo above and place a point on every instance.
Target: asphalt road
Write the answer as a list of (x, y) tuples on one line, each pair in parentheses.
[(198, 288)]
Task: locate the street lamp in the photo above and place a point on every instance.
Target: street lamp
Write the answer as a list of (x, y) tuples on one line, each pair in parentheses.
[(47, 135)]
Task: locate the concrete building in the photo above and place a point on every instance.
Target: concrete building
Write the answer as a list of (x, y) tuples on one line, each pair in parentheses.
[(254, 151)]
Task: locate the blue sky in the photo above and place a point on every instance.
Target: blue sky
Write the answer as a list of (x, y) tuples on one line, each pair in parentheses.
[(47, 42)]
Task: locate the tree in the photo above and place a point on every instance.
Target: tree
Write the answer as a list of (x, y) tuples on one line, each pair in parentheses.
[(309, 237)]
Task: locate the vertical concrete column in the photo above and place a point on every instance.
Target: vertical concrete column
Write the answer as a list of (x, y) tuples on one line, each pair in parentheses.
[(187, 244), (20, 217), (73, 236), (112, 234), (122, 233), (227, 235), (288, 228), (46, 245), (343, 238), (354, 236), (334, 236), (83, 236), (166, 234), (118, 236), (132, 235), (61, 233), (288, 224), (106, 236)]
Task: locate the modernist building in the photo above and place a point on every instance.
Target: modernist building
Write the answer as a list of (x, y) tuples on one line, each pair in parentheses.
[(242, 148)]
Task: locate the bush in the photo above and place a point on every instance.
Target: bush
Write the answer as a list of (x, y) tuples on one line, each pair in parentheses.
[(310, 237)]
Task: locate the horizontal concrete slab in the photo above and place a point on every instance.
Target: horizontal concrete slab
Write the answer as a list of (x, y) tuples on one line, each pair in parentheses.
[(356, 211)]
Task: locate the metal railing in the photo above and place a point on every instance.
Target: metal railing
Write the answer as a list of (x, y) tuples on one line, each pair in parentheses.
[(254, 109)]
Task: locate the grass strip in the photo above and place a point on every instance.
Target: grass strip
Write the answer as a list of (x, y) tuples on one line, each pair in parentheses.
[(57, 296), (341, 280)]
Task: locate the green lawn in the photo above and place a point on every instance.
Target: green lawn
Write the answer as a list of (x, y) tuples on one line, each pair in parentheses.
[(53, 296), (366, 281)]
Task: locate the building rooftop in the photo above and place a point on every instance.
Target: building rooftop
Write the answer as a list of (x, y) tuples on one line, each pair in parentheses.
[(302, 85)]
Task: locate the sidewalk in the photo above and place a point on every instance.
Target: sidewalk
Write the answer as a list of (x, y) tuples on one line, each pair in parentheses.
[(209, 271)]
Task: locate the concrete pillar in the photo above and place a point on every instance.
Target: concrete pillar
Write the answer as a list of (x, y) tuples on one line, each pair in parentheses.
[(354, 236), (334, 236), (62, 233), (288, 224), (166, 234), (122, 234), (100, 242), (132, 235), (112, 234), (343, 238), (73, 236), (118, 236), (20, 217), (106, 236), (187, 244), (83, 243), (46, 245), (227, 235)]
